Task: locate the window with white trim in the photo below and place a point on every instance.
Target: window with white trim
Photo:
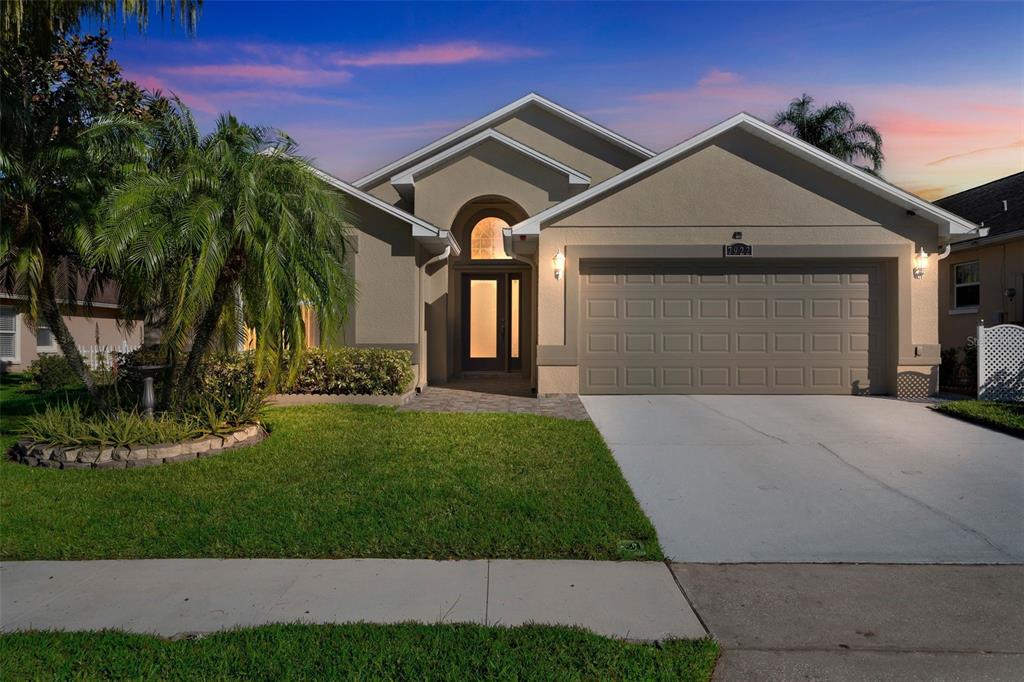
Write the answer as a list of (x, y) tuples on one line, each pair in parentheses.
[(8, 333), (966, 285), (45, 341)]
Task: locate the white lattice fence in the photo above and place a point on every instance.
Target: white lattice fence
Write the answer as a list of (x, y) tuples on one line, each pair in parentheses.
[(97, 357), (1001, 362)]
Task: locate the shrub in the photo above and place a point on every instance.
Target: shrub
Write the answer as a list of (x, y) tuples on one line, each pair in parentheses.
[(229, 373), (50, 372), (229, 406), (958, 371), (352, 371), (224, 377), (68, 426), (950, 363), (222, 374)]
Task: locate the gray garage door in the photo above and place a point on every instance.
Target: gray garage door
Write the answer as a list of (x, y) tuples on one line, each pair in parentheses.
[(732, 328)]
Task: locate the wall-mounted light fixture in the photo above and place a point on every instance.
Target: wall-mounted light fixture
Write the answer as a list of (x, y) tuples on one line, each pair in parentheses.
[(920, 263), (558, 262)]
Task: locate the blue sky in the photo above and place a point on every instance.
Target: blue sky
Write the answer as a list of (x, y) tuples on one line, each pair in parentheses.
[(360, 84)]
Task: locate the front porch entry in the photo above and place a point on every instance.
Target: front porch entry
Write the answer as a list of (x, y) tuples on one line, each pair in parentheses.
[(490, 304)]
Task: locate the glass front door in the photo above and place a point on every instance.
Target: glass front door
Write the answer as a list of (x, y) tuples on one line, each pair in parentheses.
[(491, 329)]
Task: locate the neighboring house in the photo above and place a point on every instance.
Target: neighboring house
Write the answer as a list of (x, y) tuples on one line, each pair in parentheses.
[(983, 277), (96, 328), (742, 260)]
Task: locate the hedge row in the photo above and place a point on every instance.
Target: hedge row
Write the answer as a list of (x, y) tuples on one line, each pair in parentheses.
[(352, 371), (342, 371)]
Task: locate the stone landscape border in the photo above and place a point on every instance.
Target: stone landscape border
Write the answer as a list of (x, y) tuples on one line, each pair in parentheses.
[(134, 456), (295, 399)]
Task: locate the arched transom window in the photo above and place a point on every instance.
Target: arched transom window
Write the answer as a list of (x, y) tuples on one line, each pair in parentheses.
[(485, 240)]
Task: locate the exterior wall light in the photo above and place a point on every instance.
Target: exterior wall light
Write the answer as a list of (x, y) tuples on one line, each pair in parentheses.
[(920, 263), (558, 262)]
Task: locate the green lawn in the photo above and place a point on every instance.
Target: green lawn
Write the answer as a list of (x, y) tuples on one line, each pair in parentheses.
[(16, 403), (1008, 417), (338, 481), (354, 652)]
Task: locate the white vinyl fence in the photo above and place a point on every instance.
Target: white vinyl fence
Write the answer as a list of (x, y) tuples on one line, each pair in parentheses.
[(97, 357), (1001, 362)]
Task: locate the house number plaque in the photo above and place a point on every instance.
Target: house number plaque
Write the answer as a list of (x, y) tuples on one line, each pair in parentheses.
[(738, 249)]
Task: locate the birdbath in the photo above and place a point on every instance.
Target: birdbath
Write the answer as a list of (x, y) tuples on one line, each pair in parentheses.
[(148, 396)]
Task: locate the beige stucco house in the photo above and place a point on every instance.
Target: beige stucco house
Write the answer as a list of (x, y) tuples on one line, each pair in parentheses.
[(982, 280), (98, 329), (537, 243)]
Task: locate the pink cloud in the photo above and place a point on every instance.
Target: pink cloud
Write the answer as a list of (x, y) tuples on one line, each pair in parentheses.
[(1019, 144), (716, 77), (937, 140), (259, 96), (719, 90), (269, 74), (351, 152), (195, 101), (219, 100), (909, 124), (440, 53)]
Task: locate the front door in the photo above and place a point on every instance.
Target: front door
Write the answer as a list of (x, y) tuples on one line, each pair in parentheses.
[(491, 329)]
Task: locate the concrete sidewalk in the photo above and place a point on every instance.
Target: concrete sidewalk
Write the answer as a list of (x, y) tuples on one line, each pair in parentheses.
[(861, 622), (629, 600)]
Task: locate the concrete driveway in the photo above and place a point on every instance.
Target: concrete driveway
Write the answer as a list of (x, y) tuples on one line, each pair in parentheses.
[(817, 479)]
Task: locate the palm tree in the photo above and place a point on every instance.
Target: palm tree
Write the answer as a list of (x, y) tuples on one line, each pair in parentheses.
[(223, 229), (833, 128), (50, 185), (38, 24)]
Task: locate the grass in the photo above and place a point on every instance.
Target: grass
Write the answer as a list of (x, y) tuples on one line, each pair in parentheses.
[(19, 400), (336, 481), (355, 652), (1006, 417)]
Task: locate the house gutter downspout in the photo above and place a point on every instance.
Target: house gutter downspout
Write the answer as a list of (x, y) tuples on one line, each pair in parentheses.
[(439, 257)]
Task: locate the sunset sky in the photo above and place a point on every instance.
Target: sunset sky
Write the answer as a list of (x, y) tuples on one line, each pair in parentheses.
[(358, 85)]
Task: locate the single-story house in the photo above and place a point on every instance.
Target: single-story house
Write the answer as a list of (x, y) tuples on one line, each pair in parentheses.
[(96, 329), (983, 277), (536, 242)]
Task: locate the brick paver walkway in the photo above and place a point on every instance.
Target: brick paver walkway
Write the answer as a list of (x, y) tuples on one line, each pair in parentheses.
[(442, 399)]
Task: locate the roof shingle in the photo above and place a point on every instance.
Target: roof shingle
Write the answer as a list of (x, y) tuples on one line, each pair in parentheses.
[(984, 204)]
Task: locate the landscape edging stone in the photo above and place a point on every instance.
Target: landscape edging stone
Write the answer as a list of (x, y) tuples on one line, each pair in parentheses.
[(135, 456)]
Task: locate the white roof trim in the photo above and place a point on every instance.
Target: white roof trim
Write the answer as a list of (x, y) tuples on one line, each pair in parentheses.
[(953, 223), (406, 180), (487, 121), (421, 229)]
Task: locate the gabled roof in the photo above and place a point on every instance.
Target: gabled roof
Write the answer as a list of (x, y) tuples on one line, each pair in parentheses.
[(954, 224), (421, 230), (488, 121), (405, 181), (997, 205)]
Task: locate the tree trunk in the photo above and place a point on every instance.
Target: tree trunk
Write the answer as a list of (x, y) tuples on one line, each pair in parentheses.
[(51, 313), (167, 387), (205, 331)]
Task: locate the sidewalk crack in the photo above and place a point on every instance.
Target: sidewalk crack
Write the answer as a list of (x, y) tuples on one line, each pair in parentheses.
[(487, 596), (738, 421), (675, 579)]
